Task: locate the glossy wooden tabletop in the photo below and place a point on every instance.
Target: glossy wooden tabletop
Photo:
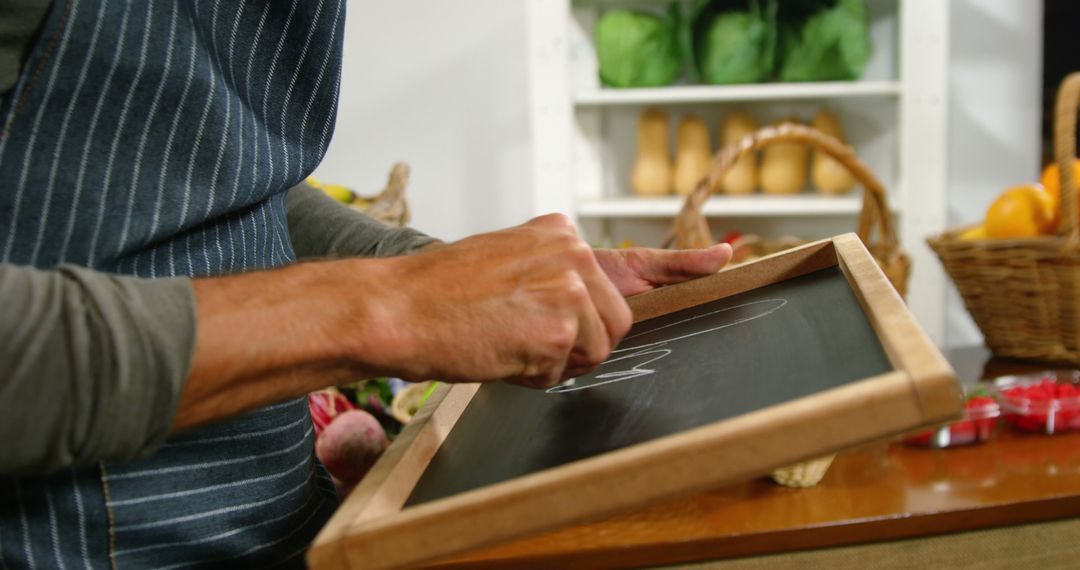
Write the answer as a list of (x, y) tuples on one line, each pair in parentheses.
[(876, 493)]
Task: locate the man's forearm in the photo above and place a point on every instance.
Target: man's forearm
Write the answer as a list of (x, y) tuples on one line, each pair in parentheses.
[(268, 336)]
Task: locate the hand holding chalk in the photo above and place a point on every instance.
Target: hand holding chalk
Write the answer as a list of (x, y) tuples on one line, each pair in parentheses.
[(529, 304)]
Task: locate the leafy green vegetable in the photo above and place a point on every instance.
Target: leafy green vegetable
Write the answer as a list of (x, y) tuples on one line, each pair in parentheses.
[(832, 44), (636, 49), (735, 42)]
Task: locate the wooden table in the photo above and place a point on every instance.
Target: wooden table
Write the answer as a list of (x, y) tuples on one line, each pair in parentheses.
[(881, 492)]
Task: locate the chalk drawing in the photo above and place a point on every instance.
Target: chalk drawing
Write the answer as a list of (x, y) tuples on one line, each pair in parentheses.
[(658, 350)]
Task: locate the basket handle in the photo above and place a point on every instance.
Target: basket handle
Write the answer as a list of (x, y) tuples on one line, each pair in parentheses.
[(691, 230), (1068, 99)]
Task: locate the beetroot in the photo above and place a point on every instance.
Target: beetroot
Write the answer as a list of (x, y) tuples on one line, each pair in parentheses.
[(350, 445), (325, 405)]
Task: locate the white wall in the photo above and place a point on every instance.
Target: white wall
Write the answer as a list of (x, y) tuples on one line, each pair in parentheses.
[(995, 110), (442, 86)]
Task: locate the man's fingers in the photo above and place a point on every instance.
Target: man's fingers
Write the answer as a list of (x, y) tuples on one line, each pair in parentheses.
[(664, 267)]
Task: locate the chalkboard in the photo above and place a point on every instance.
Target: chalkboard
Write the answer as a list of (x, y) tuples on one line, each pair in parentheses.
[(670, 374), (794, 356)]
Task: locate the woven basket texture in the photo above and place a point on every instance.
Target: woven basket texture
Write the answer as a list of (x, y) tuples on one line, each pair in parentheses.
[(1022, 293)]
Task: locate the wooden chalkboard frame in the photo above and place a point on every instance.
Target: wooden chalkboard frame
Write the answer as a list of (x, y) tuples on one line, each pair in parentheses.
[(372, 530)]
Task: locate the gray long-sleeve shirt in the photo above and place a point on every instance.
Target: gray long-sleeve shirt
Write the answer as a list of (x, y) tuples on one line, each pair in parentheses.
[(94, 363)]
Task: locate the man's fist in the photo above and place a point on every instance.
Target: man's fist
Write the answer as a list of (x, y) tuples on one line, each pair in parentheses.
[(529, 304)]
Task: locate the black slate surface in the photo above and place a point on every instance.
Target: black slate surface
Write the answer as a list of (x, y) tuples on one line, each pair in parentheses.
[(670, 374)]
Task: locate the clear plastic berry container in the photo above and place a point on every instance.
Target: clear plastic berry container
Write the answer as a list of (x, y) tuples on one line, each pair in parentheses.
[(1047, 402), (981, 413)]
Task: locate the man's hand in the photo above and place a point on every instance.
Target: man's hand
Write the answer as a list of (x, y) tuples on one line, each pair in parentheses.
[(530, 305), (637, 270)]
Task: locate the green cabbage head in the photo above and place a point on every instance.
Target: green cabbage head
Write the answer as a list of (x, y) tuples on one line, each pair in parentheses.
[(832, 44), (636, 49)]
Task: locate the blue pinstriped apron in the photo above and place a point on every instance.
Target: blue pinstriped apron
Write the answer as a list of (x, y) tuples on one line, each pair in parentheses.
[(157, 138)]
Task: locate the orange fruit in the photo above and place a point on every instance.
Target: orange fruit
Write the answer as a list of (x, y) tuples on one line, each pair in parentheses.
[(977, 232), (1019, 212), (1051, 181)]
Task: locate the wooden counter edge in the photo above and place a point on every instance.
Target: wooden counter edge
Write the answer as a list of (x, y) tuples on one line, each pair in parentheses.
[(848, 533)]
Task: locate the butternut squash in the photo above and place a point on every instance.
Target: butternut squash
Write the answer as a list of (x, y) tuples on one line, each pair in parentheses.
[(652, 172), (783, 167), (692, 155), (826, 173), (742, 177)]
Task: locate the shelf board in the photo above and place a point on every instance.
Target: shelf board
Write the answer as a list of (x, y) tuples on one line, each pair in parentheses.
[(757, 205), (719, 93)]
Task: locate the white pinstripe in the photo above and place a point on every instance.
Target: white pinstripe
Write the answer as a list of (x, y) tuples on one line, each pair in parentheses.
[(195, 148), (54, 530), (209, 464), (106, 187), (239, 111), (156, 218), (28, 151), (247, 96), (326, 121), (268, 252), (269, 249), (292, 84), (187, 249), (82, 521), (227, 221), (220, 251), (25, 526), (255, 548), (214, 37), (266, 93), (243, 243), (205, 252), (283, 230), (141, 146), (240, 138), (232, 46), (57, 146), (318, 83), (218, 487), (254, 242), (172, 259), (220, 511), (225, 534)]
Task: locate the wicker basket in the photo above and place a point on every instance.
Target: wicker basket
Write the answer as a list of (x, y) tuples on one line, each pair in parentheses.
[(691, 230), (388, 206), (1022, 293), (805, 474)]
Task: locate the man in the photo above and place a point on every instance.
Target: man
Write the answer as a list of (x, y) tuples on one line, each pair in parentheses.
[(158, 332)]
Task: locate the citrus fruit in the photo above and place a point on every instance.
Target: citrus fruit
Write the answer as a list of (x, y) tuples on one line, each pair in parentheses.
[(1051, 181), (1019, 212), (977, 232)]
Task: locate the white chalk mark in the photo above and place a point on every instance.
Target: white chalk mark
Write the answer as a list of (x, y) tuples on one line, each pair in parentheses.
[(655, 348)]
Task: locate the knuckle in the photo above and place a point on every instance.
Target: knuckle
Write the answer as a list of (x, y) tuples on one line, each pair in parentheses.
[(581, 253), (562, 336), (621, 322)]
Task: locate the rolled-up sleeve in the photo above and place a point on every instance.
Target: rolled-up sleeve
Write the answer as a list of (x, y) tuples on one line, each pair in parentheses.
[(323, 227), (93, 365)]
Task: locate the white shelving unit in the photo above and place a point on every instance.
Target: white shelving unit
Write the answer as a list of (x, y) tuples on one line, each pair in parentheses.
[(584, 136), (681, 94), (731, 206)]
